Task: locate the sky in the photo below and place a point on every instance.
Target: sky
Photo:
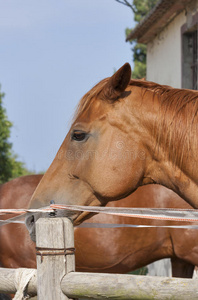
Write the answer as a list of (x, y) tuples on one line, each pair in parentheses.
[(51, 54)]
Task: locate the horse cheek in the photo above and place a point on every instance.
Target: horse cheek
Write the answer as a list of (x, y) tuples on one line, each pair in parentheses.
[(132, 177)]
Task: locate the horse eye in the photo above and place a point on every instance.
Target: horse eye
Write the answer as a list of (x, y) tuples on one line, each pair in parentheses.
[(79, 136)]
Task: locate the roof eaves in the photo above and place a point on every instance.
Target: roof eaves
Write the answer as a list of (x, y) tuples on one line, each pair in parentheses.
[(155, 20)]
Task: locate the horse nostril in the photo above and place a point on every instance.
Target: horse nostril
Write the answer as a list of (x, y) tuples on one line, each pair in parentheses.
[(30, 224), (32, 220)]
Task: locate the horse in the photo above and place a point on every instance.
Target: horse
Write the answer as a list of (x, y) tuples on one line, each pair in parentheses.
[(112, 250), (125, 134)]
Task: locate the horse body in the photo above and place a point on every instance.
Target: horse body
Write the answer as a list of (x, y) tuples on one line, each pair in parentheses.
[(119, 250), (136, 247)]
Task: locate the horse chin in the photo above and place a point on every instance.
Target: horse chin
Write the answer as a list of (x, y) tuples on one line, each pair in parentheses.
[(85, 214), (82, 217)]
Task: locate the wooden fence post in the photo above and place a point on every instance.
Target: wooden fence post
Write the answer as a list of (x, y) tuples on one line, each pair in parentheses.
[(55, 256)]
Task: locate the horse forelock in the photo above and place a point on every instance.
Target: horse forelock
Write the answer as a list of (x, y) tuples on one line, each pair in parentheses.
[(88, 98), (176, 125)]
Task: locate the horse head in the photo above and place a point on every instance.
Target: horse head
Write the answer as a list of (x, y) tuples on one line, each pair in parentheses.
[(95, 162), (124, 134)]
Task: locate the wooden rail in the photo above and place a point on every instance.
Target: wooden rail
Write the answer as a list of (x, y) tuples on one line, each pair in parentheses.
[(123, 287)]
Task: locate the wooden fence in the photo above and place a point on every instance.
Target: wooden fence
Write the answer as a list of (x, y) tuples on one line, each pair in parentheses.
[(56, 279)]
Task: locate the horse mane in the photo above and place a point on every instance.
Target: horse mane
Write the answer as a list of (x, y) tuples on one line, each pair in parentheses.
[(176, 125), (174, 130)]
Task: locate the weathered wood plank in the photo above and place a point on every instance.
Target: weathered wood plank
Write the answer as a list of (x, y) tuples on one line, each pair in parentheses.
[(69, 243), (124, 287), (58, 234)]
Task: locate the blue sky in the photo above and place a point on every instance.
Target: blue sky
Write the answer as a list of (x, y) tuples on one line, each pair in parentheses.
[(51, 54)]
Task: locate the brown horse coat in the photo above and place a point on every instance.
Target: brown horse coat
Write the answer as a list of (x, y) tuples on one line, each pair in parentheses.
[(119, 250)]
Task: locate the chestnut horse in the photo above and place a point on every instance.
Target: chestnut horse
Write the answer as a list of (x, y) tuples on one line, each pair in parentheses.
[(125, 133), (118, 250)]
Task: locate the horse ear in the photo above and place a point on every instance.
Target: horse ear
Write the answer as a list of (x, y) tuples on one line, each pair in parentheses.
[(117, 83)]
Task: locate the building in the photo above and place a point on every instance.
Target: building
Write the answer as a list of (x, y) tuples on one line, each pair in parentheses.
[(170, 33)]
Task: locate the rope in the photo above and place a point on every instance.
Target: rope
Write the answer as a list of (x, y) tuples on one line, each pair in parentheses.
[(22, 279), (185, 215), (111, 225), (11, 221), (20, 218), (166, 214), (17, 219), (24, 210), (114, 225), (41, 251)]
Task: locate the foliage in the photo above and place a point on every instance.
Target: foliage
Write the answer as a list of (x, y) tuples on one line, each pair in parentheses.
[(127, 3), (141, 271), (9, 166), (140, 9)]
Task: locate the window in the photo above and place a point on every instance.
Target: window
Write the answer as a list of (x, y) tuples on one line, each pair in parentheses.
[(190, 59), (194, 62)]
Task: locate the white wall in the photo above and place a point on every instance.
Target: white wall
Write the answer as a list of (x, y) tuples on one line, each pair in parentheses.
[(160, 268), (164, 54)]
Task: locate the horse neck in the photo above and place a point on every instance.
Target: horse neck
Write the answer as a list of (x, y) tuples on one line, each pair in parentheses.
[(170, 153)]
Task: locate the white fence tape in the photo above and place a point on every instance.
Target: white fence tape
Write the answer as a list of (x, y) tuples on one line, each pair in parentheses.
[(187, 215), (165, 214)]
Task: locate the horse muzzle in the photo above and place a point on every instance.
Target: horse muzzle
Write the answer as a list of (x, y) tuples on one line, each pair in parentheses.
[(32, 218), (30, 222)]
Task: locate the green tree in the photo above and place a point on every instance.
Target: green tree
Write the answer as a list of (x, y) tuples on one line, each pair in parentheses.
[(140, 9), (9, 166)]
